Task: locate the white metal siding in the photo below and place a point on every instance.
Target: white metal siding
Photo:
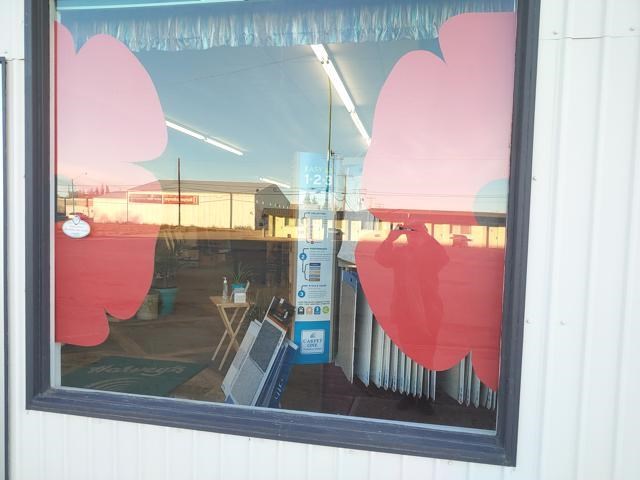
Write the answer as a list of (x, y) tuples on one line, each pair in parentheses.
[(581, 373)]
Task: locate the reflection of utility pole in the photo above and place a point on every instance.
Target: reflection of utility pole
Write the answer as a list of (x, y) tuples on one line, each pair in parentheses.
[(344, 188), (179, 196), (73, 194), (329, 152)]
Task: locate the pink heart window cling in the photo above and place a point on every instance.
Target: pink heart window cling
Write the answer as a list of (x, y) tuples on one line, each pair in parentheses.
[(108, 116), (440, 144)]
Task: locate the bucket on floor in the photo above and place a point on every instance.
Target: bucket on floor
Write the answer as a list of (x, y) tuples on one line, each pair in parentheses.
[(167, 300), (149, 308)]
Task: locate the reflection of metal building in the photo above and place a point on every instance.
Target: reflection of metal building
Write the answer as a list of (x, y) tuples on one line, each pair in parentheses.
[(205, 204), (483, 230)]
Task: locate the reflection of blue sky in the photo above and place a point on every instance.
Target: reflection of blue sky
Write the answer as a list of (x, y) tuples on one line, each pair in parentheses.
[(270, 102), (492, 197)]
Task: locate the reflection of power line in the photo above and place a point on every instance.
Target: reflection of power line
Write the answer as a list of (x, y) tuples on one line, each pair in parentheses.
[(338, 198), (338, 195), (233, 72), (110, 201)]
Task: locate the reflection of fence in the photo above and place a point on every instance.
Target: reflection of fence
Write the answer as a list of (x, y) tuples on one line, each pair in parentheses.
[(456, 230), (446, 234), (78, 205)]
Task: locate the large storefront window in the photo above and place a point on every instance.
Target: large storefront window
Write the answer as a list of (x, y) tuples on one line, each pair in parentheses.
[(293, 205)]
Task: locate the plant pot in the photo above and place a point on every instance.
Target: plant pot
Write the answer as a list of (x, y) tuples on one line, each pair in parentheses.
[(167, 299), (149, 308)]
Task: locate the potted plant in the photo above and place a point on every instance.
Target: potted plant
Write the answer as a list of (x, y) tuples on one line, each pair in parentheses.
[(165, 283), (260, 305), (239, 276)]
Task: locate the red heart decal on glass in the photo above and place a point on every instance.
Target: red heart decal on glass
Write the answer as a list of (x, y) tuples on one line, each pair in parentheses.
[(108, 115), (441, 133)]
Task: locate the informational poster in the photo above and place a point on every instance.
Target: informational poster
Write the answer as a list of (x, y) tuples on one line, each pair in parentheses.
[(315, 259)]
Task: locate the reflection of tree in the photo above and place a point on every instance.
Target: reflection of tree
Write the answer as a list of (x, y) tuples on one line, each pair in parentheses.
[(414, 283)]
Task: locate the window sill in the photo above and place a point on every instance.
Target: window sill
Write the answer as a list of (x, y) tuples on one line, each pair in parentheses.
[(312, 428)]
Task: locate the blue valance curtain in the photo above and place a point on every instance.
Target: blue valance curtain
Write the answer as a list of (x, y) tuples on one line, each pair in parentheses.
[(270, 23)]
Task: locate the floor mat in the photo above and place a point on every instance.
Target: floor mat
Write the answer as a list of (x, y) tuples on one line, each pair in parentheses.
[(132, 375)]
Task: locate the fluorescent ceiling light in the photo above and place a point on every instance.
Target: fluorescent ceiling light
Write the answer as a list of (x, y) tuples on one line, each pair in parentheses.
[(184, 130), (275, 182), (320, 51), (358, 123), (323, 56), (199, 136), (223, 146), (332, 73)]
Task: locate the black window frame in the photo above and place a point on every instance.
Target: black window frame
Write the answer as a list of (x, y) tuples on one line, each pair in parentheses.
[(497, 448)]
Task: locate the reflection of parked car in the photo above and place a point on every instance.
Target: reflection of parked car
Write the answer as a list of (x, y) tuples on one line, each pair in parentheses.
[(460, 241)]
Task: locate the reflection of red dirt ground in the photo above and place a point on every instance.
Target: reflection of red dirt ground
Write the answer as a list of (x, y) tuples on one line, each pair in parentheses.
[(186, 233), (123, 230)]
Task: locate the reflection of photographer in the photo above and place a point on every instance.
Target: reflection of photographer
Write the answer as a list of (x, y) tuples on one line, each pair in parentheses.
[(416, 264), (416, 235)]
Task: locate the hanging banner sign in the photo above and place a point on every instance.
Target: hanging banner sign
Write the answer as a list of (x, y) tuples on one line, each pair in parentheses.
[(145, 198), (166, 199), (182, 199), (315, 261)]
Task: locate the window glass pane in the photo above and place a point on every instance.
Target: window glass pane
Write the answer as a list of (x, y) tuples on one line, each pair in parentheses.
[(295, 205)]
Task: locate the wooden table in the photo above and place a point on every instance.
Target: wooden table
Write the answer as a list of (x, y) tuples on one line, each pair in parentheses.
[(230, 328)]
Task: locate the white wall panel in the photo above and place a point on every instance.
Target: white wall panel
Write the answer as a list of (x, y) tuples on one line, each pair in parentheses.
[(11, 29), (78, 435), (589, 18), (126, 452), (609, 253), (422, 468), (354, 465), (153, 456), (624, 18), (100, 445), (570, 239), (322, 463), (262, 456), (293, 460), (384, 465), (448, 470), (206, 456), (581, 373), (179, 451), (235, 459)]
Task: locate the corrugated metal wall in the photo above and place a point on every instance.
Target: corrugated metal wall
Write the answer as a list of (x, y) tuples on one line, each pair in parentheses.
[(581, 373)]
